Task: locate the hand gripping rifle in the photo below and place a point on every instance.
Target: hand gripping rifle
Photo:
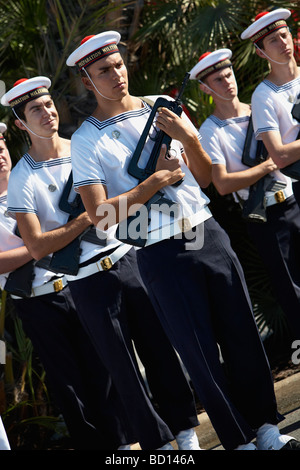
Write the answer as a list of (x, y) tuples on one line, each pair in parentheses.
[(123, 231)]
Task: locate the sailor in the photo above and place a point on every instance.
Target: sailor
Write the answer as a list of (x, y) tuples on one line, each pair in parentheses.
[(223, 137), (194, 278), (276, 99)]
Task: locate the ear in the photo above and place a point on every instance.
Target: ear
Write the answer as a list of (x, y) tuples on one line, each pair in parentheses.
[(20, 125), (204, 88), (259, 52), (87, 83)]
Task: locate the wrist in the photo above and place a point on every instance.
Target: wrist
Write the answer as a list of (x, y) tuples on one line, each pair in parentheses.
[(156, 180), (190, 140), (84, 219)]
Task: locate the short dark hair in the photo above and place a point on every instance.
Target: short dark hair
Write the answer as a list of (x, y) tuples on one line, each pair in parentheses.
[(260, 43), (20, 112)]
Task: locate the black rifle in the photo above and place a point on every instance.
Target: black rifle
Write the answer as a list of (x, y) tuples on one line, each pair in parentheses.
[(66, 260), (123, 233), (254, 208)]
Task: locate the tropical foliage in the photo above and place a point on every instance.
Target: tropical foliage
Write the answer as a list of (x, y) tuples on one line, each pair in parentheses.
[(161, 41)]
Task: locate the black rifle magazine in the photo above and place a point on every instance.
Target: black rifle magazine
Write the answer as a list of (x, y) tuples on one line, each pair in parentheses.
[(19, 282)]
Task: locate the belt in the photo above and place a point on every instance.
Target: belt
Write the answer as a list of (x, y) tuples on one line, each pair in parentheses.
[(48, 288), (103, 264), (278, 197), (178, 226)]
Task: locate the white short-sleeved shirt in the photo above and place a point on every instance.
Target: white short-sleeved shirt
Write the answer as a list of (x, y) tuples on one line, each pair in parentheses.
[(39, 189), (9, 240), (101, 152), (224, 141), (271, 109)]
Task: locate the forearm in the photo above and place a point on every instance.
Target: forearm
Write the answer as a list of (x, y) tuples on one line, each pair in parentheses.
[(198, 161), (227, 183), (105, 213), (281, 154), (13, 259), (41, 244), (287, 154)]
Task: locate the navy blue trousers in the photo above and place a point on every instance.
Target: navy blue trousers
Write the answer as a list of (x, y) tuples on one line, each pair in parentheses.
[(278, 243), (201, 298), (296, 190), (115, 309), (80, 383)]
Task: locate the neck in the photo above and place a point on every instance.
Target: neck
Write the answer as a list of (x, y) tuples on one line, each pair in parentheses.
[(229, 109), (107, 109), (281, 74), (41, 149), (4, 184)]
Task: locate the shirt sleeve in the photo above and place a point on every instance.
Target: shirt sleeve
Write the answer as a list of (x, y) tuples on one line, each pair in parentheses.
[(20, 194), (86, 166), (264, 114), (211, 144)]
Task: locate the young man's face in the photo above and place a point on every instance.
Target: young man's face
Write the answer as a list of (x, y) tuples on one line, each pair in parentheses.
[(41, 116), (5, 161), (223, 83), (279, 45), (109, 75)]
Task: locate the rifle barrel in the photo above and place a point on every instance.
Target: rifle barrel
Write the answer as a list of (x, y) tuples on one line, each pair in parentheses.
[(185, 80)]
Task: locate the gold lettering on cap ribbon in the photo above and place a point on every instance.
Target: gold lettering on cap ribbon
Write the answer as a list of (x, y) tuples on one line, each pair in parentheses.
[(268, 29), (213, 68), (29, 96), (101, 52)]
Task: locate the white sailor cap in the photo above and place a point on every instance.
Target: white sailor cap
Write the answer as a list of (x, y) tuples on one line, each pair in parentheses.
[(3, 128), (25, 90), (265, 23), (93, 48), (211, 62)]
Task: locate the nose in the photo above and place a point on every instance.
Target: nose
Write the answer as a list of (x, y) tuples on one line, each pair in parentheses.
[(116, 73), (227, 80), (46, 111), (283, 39)]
